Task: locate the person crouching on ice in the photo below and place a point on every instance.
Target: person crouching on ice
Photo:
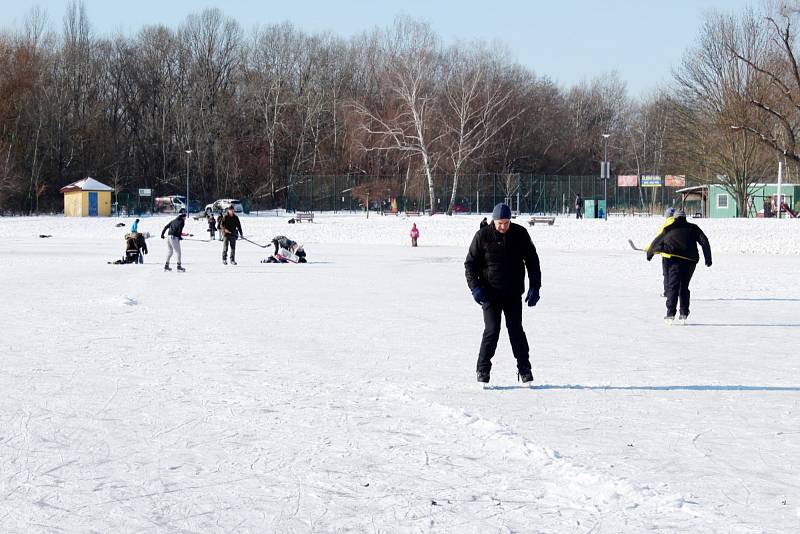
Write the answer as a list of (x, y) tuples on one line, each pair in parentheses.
[(414, 234), (495, 268), (286, 251), (677, 244)]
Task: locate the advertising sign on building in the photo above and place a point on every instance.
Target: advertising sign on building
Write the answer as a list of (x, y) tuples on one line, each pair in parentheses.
[(145, 192), (628, 180), (651, 180), (675, 180)]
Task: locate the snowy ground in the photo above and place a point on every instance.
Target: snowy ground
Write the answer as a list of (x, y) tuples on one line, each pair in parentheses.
[(339, 396)]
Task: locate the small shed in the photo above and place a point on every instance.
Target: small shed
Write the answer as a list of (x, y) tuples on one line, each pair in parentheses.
[(87, 198)]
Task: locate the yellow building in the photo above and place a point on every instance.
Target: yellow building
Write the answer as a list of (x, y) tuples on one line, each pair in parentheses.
[(87, 198)]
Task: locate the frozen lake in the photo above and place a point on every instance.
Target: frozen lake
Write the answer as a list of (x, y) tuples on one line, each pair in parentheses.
[(340, 396)]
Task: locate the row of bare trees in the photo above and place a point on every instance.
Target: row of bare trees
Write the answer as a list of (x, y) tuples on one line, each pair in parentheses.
[(260, 108)]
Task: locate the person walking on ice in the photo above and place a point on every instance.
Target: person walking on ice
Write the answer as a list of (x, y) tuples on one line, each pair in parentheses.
[(677, 244), (175, 229), (495, 267), (231, 227), (414, 234)]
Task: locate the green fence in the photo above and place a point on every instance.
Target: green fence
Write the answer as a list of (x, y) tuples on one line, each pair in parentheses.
[(526, 193)]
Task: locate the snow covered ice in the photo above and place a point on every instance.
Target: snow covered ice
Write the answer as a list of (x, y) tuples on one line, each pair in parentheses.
[(340, 395)]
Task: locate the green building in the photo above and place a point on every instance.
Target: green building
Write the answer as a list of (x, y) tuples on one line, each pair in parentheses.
[(714, 201)]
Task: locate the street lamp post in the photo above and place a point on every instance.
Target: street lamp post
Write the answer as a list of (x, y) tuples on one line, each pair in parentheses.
[(188, 153), (605, 174)]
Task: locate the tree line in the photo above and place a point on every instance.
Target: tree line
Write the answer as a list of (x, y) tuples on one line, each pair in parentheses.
[(258, 107)]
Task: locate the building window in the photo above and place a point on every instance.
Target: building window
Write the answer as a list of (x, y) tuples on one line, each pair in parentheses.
[(722, 201)]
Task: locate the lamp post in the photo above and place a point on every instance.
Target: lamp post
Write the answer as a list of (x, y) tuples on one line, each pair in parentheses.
[(188, 153), (605, 173)]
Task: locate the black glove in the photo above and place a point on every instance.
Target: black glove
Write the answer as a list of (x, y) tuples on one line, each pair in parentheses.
[(479, 295), (708, 263), (532, 297), (162, 236), (649, 255)]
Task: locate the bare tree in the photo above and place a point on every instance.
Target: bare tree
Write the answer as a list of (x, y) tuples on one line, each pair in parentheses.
[(407, 122), (476, 97)]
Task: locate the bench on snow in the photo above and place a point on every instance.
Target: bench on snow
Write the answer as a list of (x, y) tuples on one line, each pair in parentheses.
[(550, 221), (412, 214), (300, 217)]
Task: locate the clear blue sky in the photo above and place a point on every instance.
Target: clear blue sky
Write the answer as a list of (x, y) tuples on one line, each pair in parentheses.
[(568, 40)]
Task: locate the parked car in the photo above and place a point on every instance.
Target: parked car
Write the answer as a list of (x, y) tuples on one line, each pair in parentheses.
[(170, 204), (218, 206)]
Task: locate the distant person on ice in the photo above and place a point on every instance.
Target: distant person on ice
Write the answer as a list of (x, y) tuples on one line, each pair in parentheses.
[(219, 225), (495, 270), (677, 244), (414, 234), (135, 226), (484, 222), (212, 224), (669, 215), (175, 228), (231, 228), (578, 206)]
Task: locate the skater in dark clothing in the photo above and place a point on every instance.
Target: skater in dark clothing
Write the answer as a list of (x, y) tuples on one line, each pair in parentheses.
[(677, 244), (578, 206), (669, 218), (495, 268), (175, 228), (231, 228), (484, 222), (219, 225), (212, 224)]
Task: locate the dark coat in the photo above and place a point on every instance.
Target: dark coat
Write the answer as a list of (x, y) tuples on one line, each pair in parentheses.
[(680, 240), (212, 223), (175, 227), (231, 226), (497, 262)]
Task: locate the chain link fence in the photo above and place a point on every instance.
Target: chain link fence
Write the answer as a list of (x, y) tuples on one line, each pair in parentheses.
[(476, 193)]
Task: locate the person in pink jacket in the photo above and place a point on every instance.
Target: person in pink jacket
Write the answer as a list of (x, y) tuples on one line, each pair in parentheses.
[(414, 234)]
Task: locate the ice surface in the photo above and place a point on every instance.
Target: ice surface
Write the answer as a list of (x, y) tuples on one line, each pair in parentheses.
[(340, 396)]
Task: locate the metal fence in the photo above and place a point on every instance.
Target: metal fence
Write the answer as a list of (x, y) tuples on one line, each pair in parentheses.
[(478, 193)]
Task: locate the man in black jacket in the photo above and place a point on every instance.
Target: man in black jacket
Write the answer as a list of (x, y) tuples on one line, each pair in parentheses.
[(677, 244), (231, 229), (175, 227), (495, 271)]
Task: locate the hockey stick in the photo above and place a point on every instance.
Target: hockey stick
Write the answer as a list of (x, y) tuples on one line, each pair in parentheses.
[(199, 240), (634, 247), (253, 242)]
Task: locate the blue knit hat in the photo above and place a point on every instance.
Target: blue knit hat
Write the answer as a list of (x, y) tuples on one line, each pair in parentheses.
[(501, 211)]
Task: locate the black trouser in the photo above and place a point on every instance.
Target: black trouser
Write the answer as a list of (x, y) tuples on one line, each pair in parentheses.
[(665, 275), (679, 274), (511, 307), (229, 240), (579, 213)]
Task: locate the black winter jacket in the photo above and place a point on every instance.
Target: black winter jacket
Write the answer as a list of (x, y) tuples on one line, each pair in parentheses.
[(231, 226), (175, 227), (497, 262), (680, 240)]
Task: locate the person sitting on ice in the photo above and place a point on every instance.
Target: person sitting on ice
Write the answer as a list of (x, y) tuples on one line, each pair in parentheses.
[(286, 251)]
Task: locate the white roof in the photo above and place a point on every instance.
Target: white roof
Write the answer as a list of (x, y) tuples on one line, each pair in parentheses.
[(88, 184)]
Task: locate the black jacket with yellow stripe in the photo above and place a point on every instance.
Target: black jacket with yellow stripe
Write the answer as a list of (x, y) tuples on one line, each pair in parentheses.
[(680, 240)]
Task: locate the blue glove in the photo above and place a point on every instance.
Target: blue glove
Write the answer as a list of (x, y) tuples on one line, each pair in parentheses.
[(532, 297), (479, 295)]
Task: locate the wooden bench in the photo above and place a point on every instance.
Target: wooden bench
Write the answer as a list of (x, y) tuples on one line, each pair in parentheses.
[(300, 217), (412, 214), (550, 221)]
